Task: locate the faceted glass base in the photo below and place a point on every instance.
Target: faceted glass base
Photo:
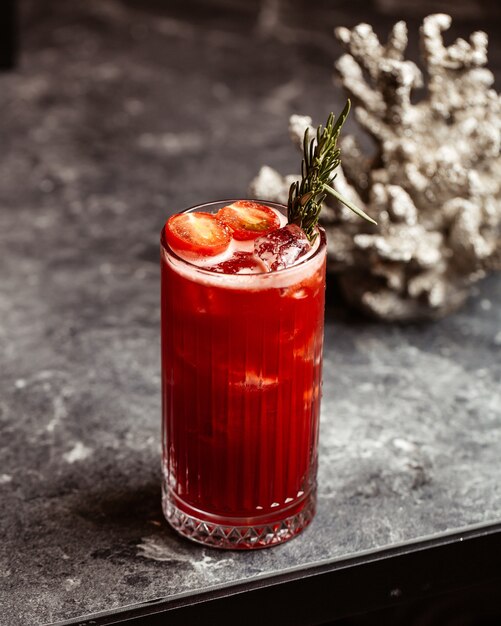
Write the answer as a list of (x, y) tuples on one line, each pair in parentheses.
[(246, 536)]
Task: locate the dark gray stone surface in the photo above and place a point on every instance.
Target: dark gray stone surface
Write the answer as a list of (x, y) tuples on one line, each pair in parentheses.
[(119, 115)]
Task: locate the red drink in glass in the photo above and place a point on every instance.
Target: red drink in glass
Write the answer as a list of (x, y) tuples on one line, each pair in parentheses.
[(241, 385)]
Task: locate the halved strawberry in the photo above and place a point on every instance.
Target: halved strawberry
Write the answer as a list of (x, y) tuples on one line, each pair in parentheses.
[(197, 233), (248, 220)]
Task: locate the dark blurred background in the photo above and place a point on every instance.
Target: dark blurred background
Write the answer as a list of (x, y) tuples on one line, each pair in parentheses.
[(167, 103)]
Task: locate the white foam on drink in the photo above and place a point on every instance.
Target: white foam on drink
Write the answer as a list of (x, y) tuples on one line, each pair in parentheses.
[(208, 261), (195, 268)]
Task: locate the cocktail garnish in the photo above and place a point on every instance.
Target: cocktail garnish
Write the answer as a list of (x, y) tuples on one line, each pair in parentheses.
[(248, 219), (197, 233), (321, 157)]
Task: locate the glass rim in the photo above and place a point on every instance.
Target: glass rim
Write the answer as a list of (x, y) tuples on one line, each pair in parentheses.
[(286, 270)]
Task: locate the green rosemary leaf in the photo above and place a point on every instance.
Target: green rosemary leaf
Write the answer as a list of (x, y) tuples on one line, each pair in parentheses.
[(341, 119), (321, 157), (349, 204)]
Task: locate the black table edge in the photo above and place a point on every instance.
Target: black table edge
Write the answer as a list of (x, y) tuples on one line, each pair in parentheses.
[(329, 590)]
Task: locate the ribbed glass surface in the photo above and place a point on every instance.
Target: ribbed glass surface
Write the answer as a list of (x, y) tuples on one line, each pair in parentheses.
[(241, 374)]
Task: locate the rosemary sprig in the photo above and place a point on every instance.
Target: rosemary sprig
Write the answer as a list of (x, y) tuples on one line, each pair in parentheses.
[(321, 156)]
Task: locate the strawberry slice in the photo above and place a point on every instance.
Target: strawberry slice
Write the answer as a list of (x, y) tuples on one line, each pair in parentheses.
[(248, 220), (197, 233)]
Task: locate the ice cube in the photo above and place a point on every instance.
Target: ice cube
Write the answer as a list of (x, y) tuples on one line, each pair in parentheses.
[(282, 247), (239, 263)]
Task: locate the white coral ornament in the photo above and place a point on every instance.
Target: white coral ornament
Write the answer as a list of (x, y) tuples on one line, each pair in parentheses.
[(434, 184)]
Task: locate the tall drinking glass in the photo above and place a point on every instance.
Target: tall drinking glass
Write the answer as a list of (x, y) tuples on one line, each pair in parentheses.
[(241, 386)]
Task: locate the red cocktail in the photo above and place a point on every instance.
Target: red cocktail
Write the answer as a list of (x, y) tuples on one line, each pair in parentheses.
[(241, 379)]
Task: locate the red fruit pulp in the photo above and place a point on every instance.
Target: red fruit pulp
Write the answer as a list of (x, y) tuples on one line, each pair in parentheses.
[(239, 263), (241, 378)]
